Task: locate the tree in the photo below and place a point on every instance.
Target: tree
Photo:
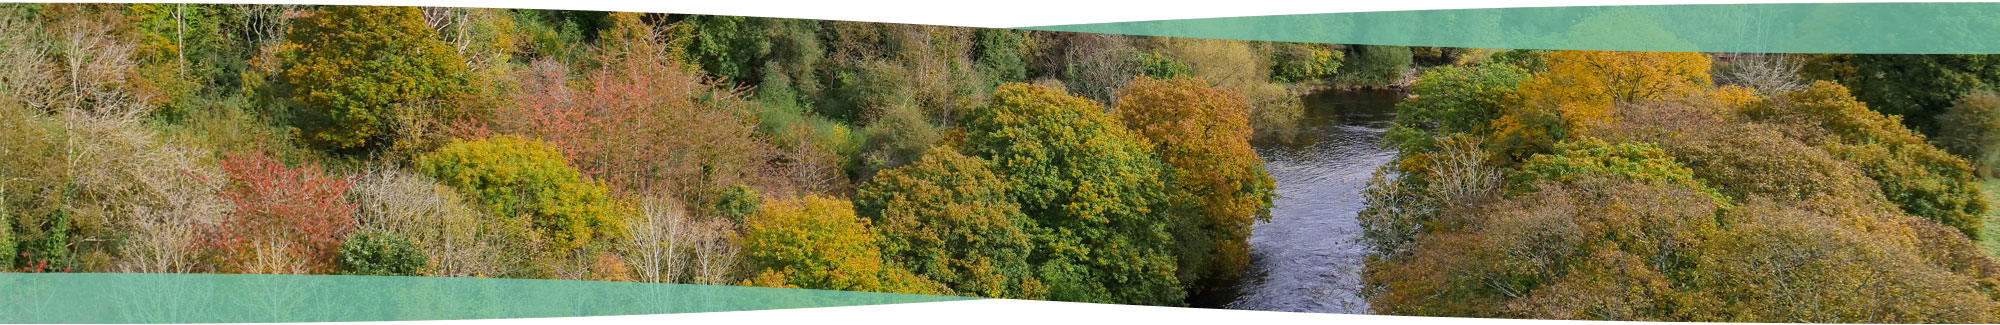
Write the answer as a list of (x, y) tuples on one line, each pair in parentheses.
[(519, 178), (375, 252), (816, 242), (448, 228), (1093, 187), (1924, 180), (287, 220), (948, 218), (1971, 129), (353, 69), (1375, 65), (1579, 89), (1203, 134), (1301, 62), (1916, 87), (1453, 99)]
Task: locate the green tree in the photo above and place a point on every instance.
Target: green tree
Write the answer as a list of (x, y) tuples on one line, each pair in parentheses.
[(520, 178), (1916, 87), (376, 252), (948, 218), (1092, 186), (1971, 129), (737, 202), (1452, 99), (1375, 65), (354, 69), (1302, 62)]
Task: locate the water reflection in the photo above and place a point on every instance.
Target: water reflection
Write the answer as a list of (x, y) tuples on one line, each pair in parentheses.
[(1306, 258)]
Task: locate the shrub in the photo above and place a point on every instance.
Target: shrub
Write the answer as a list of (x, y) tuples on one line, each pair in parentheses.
[(287, 220), (520, 178), (737, 202), (375, 252), (353, 68), (1161, 66)]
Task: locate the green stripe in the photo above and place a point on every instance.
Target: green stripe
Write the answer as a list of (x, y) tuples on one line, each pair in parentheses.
[(220, 298), (1873, 28)]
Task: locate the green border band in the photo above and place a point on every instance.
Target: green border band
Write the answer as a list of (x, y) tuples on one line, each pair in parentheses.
[(231, 298), (1860, 28)]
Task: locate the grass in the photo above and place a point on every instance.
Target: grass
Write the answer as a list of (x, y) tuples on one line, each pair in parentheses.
[(1991, 241)]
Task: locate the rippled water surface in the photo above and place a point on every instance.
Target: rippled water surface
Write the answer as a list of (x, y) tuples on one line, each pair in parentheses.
[(1306, 258)]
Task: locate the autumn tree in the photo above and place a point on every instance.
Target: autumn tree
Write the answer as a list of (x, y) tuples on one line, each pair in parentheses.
[(1092, 186), (1580, 88), (1924, 180), (354, 69), (948, 218), (519, 178), (817, 242), (1203, 134), (287, 219)]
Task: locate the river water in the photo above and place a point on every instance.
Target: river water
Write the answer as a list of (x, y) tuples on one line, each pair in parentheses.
[(1307, 258)]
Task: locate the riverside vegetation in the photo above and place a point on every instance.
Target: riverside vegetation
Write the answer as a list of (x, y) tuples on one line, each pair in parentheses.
[(980, 162)]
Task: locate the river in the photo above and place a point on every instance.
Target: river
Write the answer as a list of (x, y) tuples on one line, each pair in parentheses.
[(1306, 258)]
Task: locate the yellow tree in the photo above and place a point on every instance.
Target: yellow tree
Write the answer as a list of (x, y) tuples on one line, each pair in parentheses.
[(1203, 133), (1580, 88)]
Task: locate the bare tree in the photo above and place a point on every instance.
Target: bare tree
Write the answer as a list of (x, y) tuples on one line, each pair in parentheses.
[(434, 217), (1765, 73), (716, 252), (659, 235)]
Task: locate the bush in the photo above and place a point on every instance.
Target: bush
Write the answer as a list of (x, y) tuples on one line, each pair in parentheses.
[(737, 202), (352, 69), (947, 217), (898, 138), (375, 252), (1161, 66), (520, 178), (287, 220)]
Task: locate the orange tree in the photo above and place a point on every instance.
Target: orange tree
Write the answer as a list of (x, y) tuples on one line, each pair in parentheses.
[(1093, 187), (353, 69), (1579, 88), (1203, 134)]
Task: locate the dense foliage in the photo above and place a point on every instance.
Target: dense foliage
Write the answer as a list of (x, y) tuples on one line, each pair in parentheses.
[(982, 162), (1649, 194)]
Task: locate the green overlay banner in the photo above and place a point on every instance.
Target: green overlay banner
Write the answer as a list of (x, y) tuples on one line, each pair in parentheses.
[(217, 298), (1860, 28)]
